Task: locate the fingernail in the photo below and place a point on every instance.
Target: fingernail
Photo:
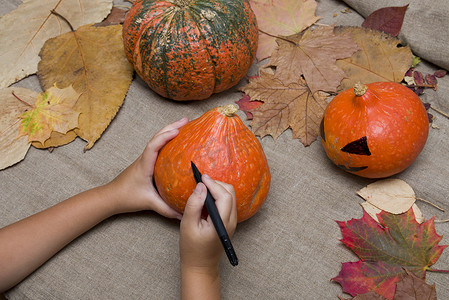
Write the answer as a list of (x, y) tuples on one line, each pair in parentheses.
[(179, 217), (206, 176), (198, 189)]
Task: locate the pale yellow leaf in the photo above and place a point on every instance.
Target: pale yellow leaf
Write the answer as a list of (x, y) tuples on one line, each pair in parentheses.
[(12, 147), (373, 211), (24, 31), (380, 58), (391, 195), (53, 110), (92, 59)]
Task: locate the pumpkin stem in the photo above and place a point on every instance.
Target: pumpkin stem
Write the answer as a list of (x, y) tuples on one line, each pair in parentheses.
[(360, 89), (228, 110)]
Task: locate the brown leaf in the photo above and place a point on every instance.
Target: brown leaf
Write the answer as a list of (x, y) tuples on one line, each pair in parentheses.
[(92, 59), (380, 59), (24, 31), (386, 19), (285, 106), (52, 111), (117, 16), (313, 54), (281, 18), (12, 147), (412, 287)]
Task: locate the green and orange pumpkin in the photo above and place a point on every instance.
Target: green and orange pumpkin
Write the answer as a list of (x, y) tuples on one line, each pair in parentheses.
[(190, 49), (374, 130)]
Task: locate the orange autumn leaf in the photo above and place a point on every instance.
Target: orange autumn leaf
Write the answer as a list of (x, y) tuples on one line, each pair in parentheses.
[(52, 111), (281, 18), (285, 106)]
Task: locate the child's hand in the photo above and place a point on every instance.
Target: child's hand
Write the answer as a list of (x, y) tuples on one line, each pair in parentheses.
[(200, 246), (133, 189)]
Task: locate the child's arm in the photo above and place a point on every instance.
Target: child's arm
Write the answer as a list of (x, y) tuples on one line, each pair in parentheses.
[(200, 247), (27, 244)]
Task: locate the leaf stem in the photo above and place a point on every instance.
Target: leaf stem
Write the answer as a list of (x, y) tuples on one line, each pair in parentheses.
[(440, 111), (428, 202), (437, 270), (279, 37), (441, 221), (62, 17), (17, 97)]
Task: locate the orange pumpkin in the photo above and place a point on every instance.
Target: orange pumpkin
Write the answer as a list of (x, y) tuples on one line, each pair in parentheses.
[(374, 130), (190, 49), (222, 147)]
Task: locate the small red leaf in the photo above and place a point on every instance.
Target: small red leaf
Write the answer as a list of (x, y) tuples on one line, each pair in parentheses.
[(419, 78), (387, 19), (432, 80), (245, 104), (440, 73)]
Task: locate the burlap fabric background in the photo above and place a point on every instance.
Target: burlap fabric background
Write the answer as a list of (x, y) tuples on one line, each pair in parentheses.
[(289, 250)]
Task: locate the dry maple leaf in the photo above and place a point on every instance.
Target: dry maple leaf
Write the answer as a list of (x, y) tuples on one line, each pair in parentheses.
[(14, 102), (412, 287), (385, 249), (92, 59), (381, 58), (313, 54), (281, 18), (53, 110), (285, 106), (24, 31)]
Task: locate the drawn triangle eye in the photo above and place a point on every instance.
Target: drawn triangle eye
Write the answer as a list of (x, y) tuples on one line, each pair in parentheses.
[(359, 147)]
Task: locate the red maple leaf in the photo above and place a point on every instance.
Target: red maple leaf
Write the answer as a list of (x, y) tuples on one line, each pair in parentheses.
[(246, 104), (385, 250)]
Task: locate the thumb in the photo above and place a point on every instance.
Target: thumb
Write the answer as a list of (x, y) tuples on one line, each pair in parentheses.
[(194, 205)]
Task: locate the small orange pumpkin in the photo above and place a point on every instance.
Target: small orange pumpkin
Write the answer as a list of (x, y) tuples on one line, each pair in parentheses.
[(222, 147), (374, 130)]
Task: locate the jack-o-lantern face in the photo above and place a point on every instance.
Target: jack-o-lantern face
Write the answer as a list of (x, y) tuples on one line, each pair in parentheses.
[(372, 135)]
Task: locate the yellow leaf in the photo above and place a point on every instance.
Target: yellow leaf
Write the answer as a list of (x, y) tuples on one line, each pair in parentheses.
[(92, 59), (13, 148), (24, 30), (52, 111), (380, 58)]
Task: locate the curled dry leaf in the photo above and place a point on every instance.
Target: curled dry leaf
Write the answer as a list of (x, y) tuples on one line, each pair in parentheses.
[(24, 31), (12, 147), (381, 58), (391, 195), (374, 211), (285, 106), (53, 110), (92, 59), (281, 18), (412, 287)]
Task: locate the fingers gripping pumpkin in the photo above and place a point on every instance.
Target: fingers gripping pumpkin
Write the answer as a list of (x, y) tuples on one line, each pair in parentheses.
[(222, 147), (374, 130), (190, 49)]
